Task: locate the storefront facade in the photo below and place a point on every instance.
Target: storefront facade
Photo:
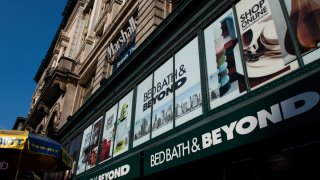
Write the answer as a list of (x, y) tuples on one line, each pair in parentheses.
[(219, 90)]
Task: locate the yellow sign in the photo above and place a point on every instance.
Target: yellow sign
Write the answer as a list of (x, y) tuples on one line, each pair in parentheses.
[(13, 139)]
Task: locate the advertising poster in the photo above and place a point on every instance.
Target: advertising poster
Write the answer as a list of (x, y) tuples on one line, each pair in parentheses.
[(162, 117), (108, 134), (83, 157), (222, 48), (305, 22), (188, 102), (92, 150), (142, 122), (123, 122), (262, 29)]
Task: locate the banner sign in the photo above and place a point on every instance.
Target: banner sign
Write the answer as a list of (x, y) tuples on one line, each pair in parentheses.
[(123, 44), (126, 169), (284, 110)]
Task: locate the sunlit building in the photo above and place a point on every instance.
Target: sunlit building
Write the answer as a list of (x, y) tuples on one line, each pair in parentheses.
[(162, 89)]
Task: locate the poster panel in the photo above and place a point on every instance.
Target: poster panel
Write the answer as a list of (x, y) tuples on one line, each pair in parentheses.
[(188, 102), (83, 157), (262, 29), (92, 150), (142, 122), (305, 22), (162, 116), (123, 122), (222, 48), (108, 134)]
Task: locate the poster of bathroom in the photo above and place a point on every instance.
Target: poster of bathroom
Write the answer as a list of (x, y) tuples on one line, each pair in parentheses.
[(305, 21), (121, 142), (224, 76), (263, 29)]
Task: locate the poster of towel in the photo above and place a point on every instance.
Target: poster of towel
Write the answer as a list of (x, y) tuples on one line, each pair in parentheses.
[(222, 48), (84, 153)]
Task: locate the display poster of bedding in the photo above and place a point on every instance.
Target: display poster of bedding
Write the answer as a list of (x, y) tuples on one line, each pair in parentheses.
[(121, 142), (262, 28), (221, 43), (188, 102), (83, 156), (108, 134), (162, 116), (92, 150), (305, 21), (142, 124)]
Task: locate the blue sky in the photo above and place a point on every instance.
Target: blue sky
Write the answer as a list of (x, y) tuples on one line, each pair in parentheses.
[(27, 29)]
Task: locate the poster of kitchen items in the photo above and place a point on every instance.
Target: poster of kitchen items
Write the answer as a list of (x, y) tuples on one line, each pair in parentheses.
[(262, 28)]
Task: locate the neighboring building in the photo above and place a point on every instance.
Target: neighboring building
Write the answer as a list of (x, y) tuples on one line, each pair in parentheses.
[(214, 89)]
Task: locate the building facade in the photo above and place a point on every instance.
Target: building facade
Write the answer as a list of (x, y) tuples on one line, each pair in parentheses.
[(156, 89)]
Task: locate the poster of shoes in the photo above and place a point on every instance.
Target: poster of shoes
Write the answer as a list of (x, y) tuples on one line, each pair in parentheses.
[(142, 122), (221, 43), (108, 134), (305, 21), (123, 122), (262, 28)]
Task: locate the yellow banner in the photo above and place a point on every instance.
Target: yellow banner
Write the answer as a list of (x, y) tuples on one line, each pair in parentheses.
[(13, 139)]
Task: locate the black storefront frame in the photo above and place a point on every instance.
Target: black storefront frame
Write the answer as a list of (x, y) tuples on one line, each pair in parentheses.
[(97, 107)]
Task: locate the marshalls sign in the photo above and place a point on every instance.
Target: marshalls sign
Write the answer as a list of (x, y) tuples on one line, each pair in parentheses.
[(278, 112)]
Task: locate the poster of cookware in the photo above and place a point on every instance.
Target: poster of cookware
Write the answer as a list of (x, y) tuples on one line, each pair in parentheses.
[(142, 122), (305, 21), (162, 99), (221, 43), (108, 134), (121, 142), (263, 28), (188, 99)]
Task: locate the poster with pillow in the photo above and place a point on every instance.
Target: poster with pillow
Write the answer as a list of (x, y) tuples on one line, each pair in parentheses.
[(83, 157)]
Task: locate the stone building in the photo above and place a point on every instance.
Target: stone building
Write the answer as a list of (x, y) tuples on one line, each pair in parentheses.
[(164, 89)]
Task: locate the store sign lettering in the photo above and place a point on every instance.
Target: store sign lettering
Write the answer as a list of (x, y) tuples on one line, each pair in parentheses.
[(4, 165), (255, 13), (124, 38), (281, 111), (164, 88), (10, 141), (113, 174)]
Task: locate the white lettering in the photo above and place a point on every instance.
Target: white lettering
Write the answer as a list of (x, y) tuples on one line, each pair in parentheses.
[(251, 120)]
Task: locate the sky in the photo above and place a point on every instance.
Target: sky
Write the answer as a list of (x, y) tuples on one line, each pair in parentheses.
[(27, 29)]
